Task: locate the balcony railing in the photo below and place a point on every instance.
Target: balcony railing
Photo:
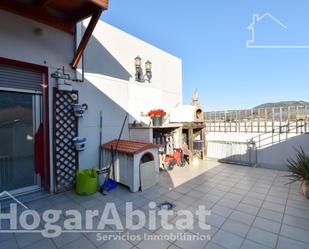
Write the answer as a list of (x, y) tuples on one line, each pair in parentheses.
[(261, 120)]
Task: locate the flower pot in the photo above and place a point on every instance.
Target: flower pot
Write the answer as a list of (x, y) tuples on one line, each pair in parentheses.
[(305, 188), (157, 121), (80, 143), (79, 110)]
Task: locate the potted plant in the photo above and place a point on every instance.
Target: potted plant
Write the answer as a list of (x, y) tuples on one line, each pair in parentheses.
[(299, 168), (157, 116)]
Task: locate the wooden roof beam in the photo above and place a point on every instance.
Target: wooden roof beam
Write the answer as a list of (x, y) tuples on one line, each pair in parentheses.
[(83, 43)]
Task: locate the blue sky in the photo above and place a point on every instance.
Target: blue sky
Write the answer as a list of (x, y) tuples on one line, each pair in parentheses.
[(210, 37)]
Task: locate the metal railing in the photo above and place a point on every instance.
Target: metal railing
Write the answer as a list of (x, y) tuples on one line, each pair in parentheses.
[(280, 134), (242, 153), (261, 120)]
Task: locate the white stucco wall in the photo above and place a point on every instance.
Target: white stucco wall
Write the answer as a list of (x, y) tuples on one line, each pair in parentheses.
[(110, 56), (109, 84)]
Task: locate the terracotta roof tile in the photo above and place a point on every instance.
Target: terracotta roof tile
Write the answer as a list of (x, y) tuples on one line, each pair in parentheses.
[(129, 146)]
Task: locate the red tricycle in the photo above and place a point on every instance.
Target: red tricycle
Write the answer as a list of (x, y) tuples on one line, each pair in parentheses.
[(177, 158)]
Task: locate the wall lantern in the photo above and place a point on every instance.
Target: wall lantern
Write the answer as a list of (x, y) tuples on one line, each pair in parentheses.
[(139, 75)]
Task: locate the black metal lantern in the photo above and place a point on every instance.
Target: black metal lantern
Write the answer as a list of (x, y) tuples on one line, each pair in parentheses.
[(138, 61), (139, 75), (148, 67)]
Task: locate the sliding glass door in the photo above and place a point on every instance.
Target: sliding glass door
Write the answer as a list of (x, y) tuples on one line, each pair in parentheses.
[(20, 116)]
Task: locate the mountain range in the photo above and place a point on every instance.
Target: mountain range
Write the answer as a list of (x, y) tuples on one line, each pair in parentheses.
[(283, 104)]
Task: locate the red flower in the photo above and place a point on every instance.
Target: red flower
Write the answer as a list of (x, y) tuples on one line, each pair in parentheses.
[(156, 113)]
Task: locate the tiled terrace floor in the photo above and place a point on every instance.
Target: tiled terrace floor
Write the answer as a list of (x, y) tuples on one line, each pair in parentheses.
[(251, 208)]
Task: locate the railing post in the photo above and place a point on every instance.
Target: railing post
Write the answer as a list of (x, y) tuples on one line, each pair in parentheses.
[(259, 120), (280, 125), (245, 120), (215, 123), (210, 121), (252, 120), (289, 117), (219, 121), (296, 119), (273, 120), (236, 120), (225, 121), (287, 130), (265, 120)]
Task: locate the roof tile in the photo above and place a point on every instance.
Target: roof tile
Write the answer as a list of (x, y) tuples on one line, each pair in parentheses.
[(129, 146)]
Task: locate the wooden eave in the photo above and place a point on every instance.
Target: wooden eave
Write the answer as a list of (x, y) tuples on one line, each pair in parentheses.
[(60, 14)]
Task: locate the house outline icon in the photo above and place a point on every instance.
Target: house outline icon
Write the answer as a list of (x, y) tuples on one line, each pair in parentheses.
[(6, 193), (258, 18)]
